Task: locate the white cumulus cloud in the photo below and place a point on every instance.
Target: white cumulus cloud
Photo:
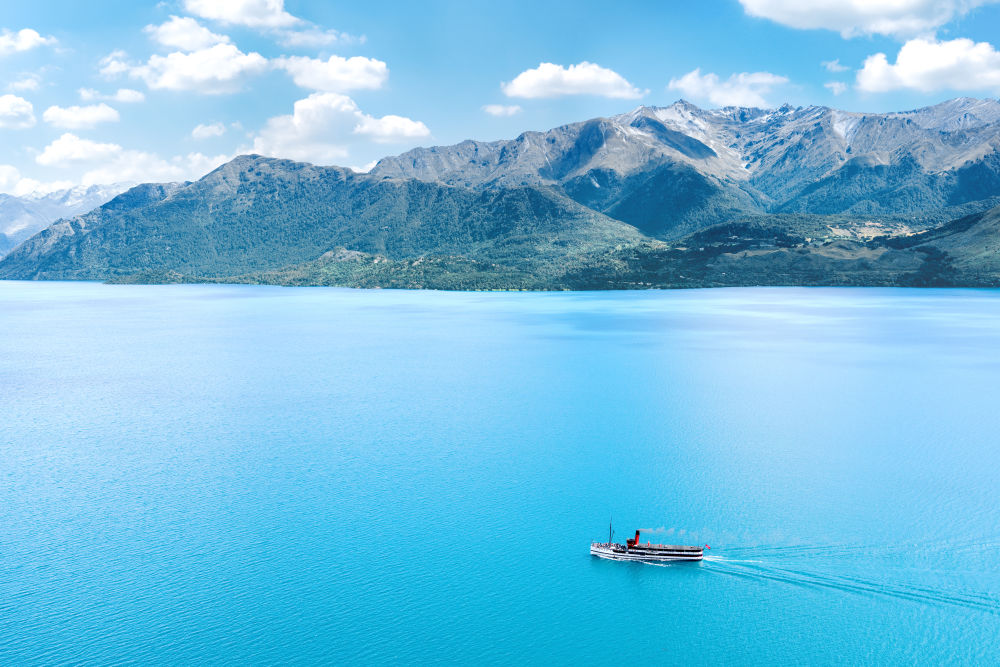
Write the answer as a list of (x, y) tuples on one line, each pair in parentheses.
[(80, 117), (9, 176), (22, 40), (316, 131), (114, 164), (335, 75), (203, 131), (16, 113), (269, 16), (221, 68), (250, 13), (863, 17), (12, 182), (502, 109), (836, 87), (143, 167), (321, 127), (551, 80), (834, 66), (746, 89), (184, 33), (928, 65), (70, 149), (126, 95)]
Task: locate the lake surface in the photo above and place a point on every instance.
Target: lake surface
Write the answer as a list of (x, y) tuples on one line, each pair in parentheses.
[(226, 474)]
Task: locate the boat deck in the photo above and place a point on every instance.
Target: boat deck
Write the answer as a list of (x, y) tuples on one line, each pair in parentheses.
[(668, 547)]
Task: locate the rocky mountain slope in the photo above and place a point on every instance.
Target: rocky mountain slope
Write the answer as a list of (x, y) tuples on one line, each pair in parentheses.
[(669, 170), (665, 197)]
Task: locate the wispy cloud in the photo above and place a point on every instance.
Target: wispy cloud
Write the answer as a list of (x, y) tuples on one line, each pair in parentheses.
[(502, 109), (899, 18), (125, 95), (207, 131), (746, 89)]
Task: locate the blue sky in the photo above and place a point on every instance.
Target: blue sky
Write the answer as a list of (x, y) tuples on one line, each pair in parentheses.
[(98, 92)]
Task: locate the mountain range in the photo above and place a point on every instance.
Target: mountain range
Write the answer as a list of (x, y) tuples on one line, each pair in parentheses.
[(24, 216), (673, 196)]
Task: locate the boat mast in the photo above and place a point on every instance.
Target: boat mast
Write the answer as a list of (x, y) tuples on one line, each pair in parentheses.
[(611, 533)]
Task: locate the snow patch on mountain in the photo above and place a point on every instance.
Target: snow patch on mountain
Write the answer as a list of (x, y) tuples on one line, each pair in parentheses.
[(843, 124)]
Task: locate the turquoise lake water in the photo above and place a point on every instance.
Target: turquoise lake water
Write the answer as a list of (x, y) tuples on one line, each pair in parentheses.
[(259, 475)]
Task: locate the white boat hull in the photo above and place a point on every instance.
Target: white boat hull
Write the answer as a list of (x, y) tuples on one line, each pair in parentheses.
[(604, 551)]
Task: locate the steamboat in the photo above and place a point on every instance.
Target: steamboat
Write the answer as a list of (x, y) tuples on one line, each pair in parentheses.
[(648, 552)]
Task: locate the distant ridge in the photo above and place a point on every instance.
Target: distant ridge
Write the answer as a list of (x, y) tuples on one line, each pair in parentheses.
[(673, 196), (26, 215)]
